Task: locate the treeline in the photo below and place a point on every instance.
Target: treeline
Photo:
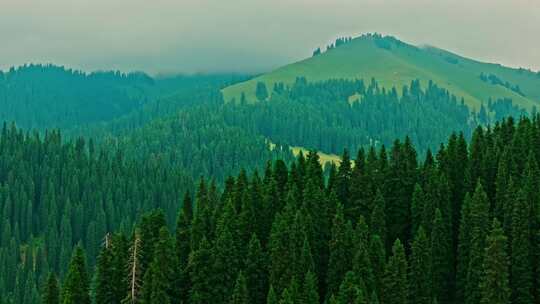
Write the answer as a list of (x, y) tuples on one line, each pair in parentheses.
[(46, 96), (201, 141), (54, 195), (461, 226), (334, 114)]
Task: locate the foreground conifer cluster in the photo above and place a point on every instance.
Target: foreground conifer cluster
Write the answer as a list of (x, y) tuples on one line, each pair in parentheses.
[(461, 226)]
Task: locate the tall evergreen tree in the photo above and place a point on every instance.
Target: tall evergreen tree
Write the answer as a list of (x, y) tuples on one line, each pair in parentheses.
[(256, 271), (479, 228), (350, 291), (75, 289), (420, 275), (200, 266), (494, 284), (442, 268), (340, 251), (104, 294), (310, 289), (240, 294), (157, 286), (51, 293), (521, 276), (395, 283)]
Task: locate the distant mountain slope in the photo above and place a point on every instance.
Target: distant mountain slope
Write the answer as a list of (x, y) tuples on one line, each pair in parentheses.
[(395, 63), (41, 97)]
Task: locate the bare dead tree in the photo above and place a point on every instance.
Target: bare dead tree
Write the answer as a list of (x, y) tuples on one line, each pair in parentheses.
[(134, 271)]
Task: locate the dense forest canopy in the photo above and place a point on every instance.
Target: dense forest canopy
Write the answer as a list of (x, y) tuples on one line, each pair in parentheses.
[(131, 200), (459, 226)]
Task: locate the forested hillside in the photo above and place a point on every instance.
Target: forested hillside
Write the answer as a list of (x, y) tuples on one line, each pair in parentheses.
[(395, 63), (459, 226), (323, 116), (49, 96), (54, 195), (38, 96)]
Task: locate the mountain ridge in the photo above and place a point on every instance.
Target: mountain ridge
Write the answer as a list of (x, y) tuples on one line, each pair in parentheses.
[(394, 63)]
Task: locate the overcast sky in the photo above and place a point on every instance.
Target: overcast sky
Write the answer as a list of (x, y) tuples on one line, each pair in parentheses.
[(163, 36)]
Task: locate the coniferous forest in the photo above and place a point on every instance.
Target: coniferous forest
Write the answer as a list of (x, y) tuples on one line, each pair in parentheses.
[(309, 184), (458, 226)]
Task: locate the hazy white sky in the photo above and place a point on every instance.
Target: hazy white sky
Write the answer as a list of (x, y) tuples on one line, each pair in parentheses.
[(253, 35)]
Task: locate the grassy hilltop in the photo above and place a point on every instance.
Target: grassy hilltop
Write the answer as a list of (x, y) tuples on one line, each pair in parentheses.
[(395, 63)]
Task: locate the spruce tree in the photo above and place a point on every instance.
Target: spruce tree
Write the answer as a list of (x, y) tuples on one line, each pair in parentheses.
[(362, 266), (350, 291), (75, 289), (261, 92), (50, 294), (256, 271), (479, 228), (441, 268), (310, 289), (494, 284), (420, 276), (378, 218), (272, 298), (157, 285), (104, 294), (463, 249), (183, 248), (395, 283), (340, 251), (521, 269), (201, 272), (240, 294), (377, 254)]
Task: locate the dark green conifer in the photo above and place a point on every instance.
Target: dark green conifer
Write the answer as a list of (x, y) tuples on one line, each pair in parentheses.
[(395, 283), (50, 293), (420, 276), (240, 294), (256, 271), (340, 251), (521, 276), (75, 289), (494, 284)]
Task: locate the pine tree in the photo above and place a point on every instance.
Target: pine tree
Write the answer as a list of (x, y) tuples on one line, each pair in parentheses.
[(261, 92), (350, 291), (225, 265), (417, 207), (420, 276), (343, 181), (494, 284), (378, 218), (521, 269), (441, 269), (256, 271), (395, 283), (362, 266), (463, 249), (377, 254), (157, 285), (479, 228), (201, 272), (310, 289), (183, 248), (51, 294), (104, 294), (240, 294), (272, 297), (76, 286), (340, 255)]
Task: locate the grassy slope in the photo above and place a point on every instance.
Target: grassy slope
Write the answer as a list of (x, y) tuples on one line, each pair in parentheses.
[(399, 65), (323, 157)]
